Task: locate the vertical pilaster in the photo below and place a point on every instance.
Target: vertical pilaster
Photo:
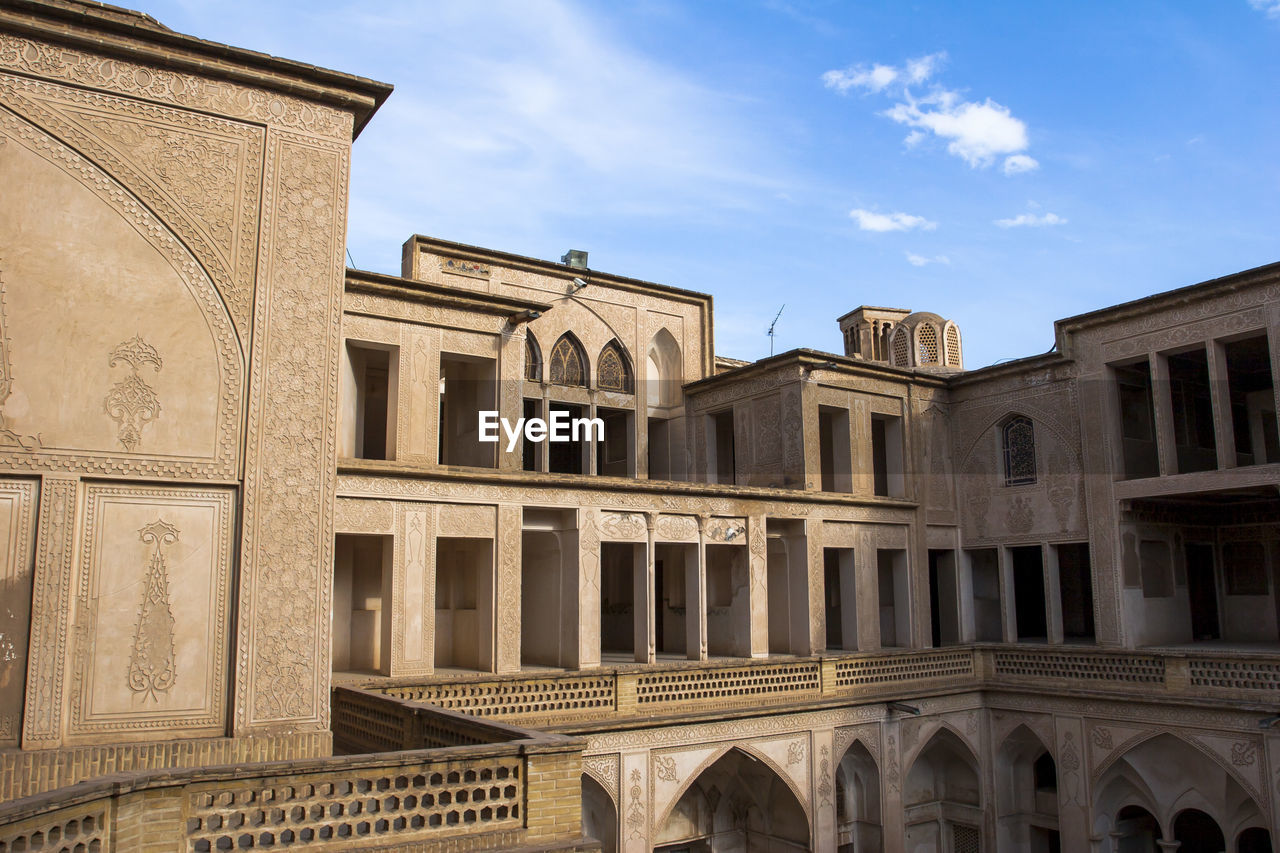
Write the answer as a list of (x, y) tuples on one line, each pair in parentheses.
[(695, 581), (892, 818), (758, 579), (1162, 399), (588, 590), (510, 391), (964, 589), (1073, 795), (867, 567), (50, 612), (634, 804), (507, 590), (646, 613), (1052, 593), (1008, 613), (824, 792), (1224, 437), (815, 584)]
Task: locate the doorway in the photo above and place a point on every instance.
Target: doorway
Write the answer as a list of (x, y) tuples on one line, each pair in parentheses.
[(1202, 591)]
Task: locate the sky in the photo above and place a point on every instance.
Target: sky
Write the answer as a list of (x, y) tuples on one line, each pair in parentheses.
[(1001, 164)]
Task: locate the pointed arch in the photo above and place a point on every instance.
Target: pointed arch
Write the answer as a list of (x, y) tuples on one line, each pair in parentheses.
[(568, 362), (858, 814), (532, 358), (927, 344), (613, 369), (944, 778), (741, 792), (664, 370), (599, 814), (1026, 790)]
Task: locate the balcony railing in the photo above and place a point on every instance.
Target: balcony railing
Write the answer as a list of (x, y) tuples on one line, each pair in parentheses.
[(473, 781), (624, 692)]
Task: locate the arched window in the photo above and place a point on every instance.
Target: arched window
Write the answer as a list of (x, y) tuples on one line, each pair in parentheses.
[(901, 348), (1018, 440), (568, 366), (665, 370), (532, 358), (953, 346), (613, 370), (927, 341)]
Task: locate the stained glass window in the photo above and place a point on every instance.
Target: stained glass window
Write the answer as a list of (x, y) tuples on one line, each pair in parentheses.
[(567, 362), (928, 337), (613, 373), (532, 359), (1019, 439)]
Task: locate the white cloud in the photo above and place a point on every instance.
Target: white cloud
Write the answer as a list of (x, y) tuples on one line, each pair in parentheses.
[(978, 133), (873, 79), (1030, 220), (1270, 7), (881, 222), (876, 78), (1019, 163), (920, 260)]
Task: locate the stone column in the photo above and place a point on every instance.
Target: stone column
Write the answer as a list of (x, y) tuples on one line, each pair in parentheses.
[(1008, 613), (644, 606), (588, 590), (1162, 400), (1224, 437), (510, 392), (867, 567), (507, 602), (1052, 593), (695, 598), (964, 589), (758, 577), (815, 584)]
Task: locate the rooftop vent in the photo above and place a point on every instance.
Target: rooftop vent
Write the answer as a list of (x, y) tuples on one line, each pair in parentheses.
[(575, 258)]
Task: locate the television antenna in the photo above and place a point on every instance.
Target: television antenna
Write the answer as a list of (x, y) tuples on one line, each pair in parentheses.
[(773, 325)]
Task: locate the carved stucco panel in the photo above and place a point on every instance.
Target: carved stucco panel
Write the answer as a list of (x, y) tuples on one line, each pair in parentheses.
[(60, 62), (50, 602), (287, 552), (17, 526)]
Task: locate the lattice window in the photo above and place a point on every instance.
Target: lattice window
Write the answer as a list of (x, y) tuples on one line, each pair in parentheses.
[(927, 338), (901, 348), (532, 359), (613, 371), (953, 347), (1018, 439), (568, 367), (965, 838)]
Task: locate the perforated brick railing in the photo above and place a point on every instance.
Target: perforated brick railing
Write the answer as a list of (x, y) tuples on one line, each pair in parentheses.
[(409, 800), (719, 684), (1233, 675), (1087, 667), (75, 830), (899, 669), (574, 696)]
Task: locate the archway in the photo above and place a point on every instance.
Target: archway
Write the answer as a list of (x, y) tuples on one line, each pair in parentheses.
[(1167, 779), (858, 802), (1196, 832), (942, 798), (1255, 839), (738, 803), (664, 373), (599, 815), (1026, 794)]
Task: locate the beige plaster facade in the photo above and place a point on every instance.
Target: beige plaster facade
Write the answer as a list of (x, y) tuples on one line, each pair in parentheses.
[(265, 586)]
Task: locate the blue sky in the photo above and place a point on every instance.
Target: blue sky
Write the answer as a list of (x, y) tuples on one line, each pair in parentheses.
[(1001, 164)]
